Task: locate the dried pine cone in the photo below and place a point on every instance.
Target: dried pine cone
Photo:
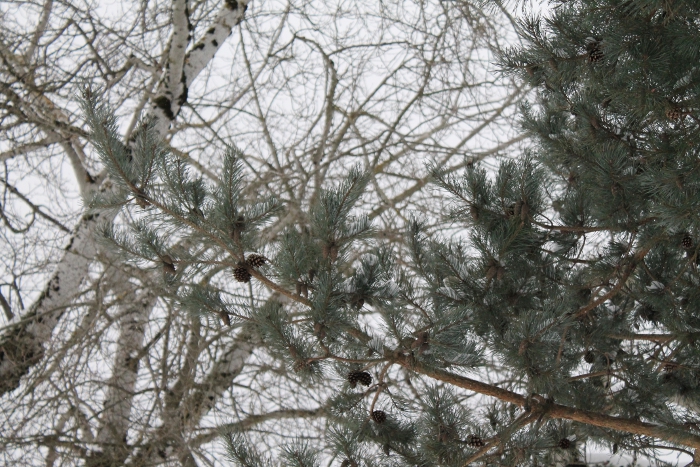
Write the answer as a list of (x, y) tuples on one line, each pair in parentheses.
[(674, 113), (595, 55), (348, 463), (565, 443), (589, 357), (241, 273), (361, 377), (687, 242), (255, 261), (476, 441), (379, 416)]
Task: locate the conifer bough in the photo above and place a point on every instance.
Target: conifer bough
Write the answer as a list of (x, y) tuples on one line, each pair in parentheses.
[(570, 291)]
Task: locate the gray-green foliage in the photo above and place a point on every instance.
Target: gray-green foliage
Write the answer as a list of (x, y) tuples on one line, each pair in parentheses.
[(573, 286)]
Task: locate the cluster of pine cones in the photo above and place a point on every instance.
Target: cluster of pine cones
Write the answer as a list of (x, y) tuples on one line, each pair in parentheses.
[(242, 273), (361, 377)]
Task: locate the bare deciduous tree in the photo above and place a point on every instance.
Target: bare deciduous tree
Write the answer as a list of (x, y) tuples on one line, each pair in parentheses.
[(98, 365)]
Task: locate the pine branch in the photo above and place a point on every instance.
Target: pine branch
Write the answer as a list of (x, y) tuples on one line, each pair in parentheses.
[(553, 410)]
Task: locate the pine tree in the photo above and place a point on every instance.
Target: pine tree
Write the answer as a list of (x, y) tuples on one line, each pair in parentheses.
[(569, 291)]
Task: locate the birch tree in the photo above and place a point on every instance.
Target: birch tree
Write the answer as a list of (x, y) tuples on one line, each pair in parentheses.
[(97, 364)]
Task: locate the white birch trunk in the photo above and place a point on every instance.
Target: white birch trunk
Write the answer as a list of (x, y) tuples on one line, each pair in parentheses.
[(115, 417), (22, 344)]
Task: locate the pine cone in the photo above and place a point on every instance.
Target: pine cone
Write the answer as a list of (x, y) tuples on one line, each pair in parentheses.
[(361, 377), (330, 251), (595, 55), (169, 271), (687, 242), (348, 463), (589, 357), (302, 289), (674, 114), (524, 211), (241, 273), (379, 416), (476, 441), (255, 261), (565, 443)]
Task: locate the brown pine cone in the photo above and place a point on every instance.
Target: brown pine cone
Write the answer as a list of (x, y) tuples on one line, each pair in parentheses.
[(361, 377), (674, 114), (255, 261), (565, 443), (241, 273), (687, 242), (379, 416), (474, 211), (595, 55), (476, 441)]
